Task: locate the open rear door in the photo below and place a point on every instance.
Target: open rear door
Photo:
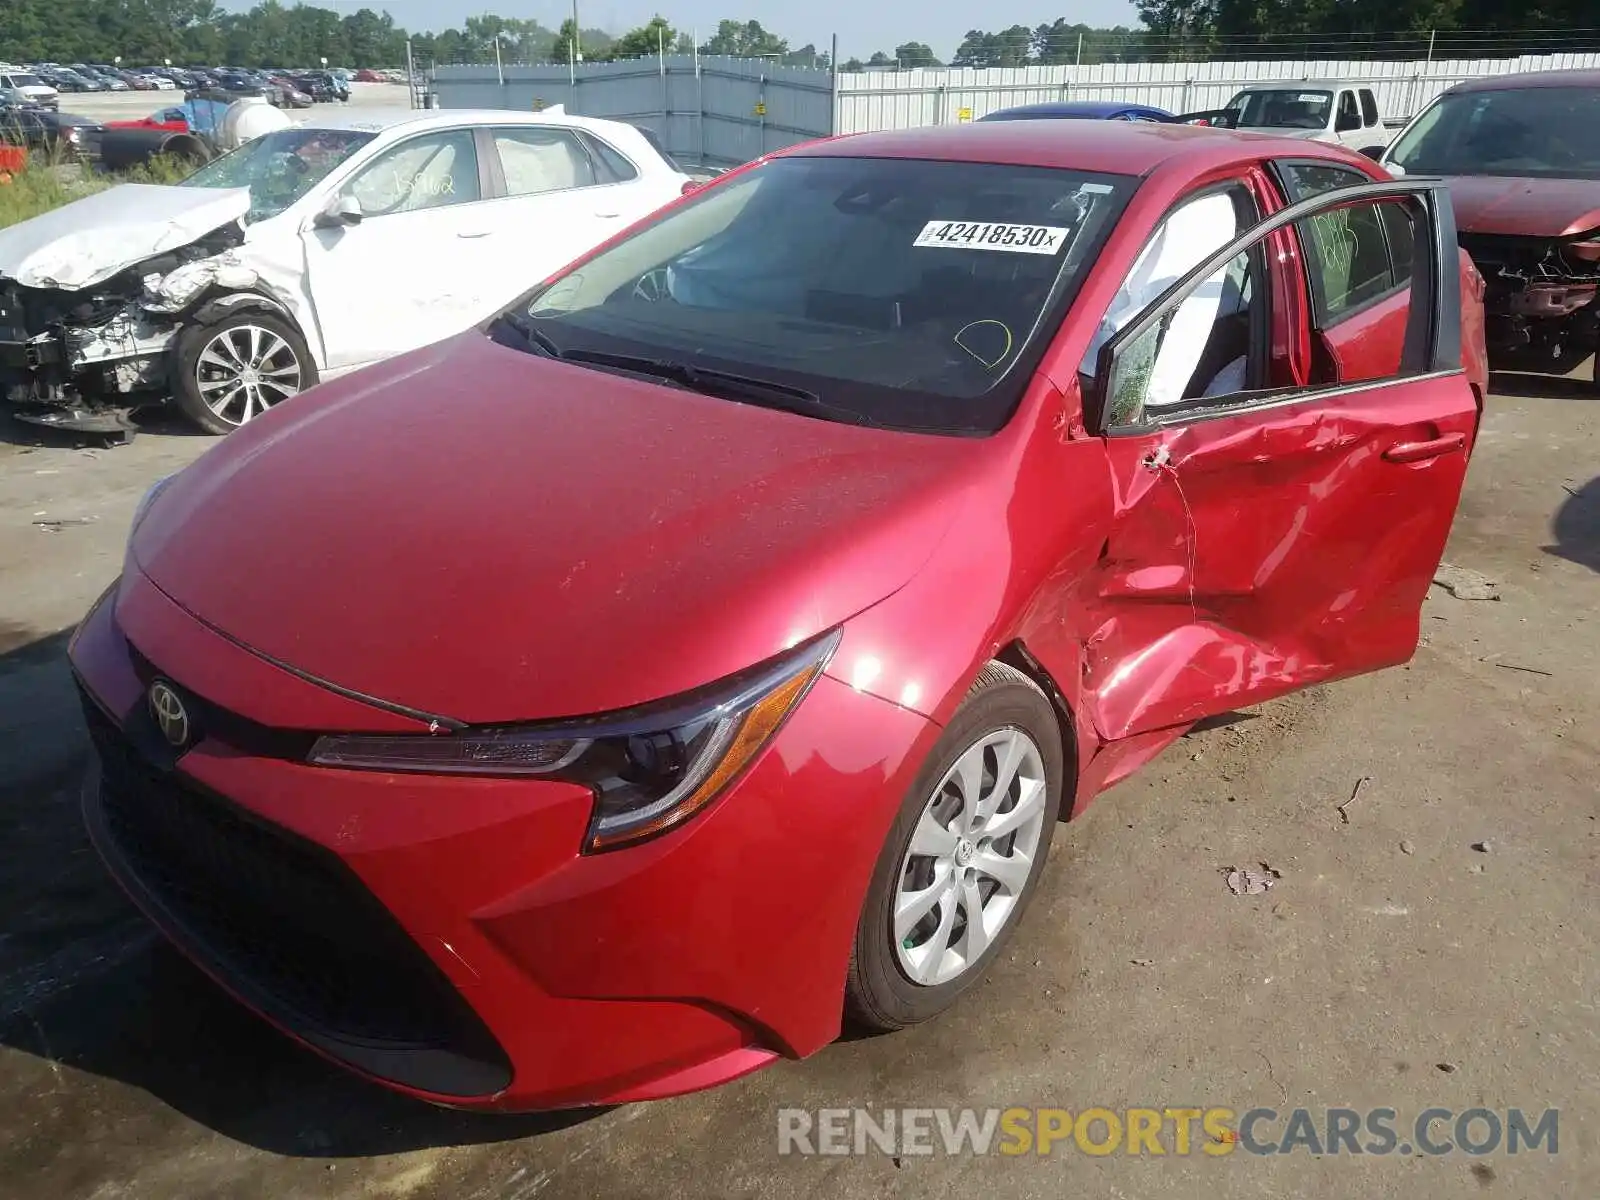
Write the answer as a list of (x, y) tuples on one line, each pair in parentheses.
[(1267, 538)]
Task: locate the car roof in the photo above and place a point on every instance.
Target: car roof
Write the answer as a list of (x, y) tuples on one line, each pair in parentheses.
[(1073, 108), (417, 121), (1530, 79), (1111, 147), (1301, 85)]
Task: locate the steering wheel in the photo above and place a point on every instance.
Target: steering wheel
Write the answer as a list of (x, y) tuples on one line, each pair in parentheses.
[(986, 341), (651, 287)]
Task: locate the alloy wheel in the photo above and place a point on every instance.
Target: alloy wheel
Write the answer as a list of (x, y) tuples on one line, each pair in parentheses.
[(245, 370), (970, 858)]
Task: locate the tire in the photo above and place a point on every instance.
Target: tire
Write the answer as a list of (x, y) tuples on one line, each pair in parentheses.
[(898, 981), (201, 365)]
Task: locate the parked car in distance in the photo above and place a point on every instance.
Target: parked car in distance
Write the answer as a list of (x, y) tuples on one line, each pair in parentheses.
[(243, 83), (1080, 110), (109, 81), (292, 95), (30, 85), (1327, 110), (299, 252), (875, 507), (322, 86), (1522, 157), (64, 79), (54, 135)]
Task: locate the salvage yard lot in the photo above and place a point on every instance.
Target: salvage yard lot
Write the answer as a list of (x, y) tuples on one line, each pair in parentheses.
[(1392, 964)]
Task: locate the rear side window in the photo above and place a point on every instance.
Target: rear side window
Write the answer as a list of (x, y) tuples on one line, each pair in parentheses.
[(1369, 107), (1353, 255), (656, 144), (537, 160), (610, 165)]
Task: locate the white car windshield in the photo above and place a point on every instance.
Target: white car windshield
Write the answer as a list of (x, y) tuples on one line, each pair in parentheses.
[(1549, 132), (1276, 108), (23, 81), (910, 293), (280, 167)]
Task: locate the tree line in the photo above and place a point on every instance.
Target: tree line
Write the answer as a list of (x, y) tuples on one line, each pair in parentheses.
[(201, 32), (1367, 28)]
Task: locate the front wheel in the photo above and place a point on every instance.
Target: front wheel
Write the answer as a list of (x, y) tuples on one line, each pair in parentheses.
[(231, 371), (964, 856)]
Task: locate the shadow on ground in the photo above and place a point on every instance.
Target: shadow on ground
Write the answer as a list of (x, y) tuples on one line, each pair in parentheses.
[(150, 420), (86, 984), (1576, 526), (1550, 387)]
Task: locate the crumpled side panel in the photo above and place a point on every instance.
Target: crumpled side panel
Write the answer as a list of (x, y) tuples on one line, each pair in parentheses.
[(1256, 554)]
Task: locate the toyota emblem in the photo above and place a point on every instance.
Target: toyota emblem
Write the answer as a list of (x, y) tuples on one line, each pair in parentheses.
[(171, 717)]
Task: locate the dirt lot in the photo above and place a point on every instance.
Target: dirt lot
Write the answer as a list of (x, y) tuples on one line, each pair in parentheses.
[(1392, 964)]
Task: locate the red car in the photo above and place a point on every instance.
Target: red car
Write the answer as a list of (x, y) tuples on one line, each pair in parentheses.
[(1522, 155), (603, 703)]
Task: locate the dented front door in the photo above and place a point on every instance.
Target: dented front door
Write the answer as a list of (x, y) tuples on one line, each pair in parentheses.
[(1271, 542)]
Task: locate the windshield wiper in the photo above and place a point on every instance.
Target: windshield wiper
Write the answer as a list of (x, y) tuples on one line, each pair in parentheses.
[(729, 385), (524, 328)]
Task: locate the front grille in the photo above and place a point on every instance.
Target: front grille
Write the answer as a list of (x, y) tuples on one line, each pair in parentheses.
[(286, 924)]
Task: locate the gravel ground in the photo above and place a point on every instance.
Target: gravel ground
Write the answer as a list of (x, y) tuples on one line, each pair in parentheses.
[(1392, 964)]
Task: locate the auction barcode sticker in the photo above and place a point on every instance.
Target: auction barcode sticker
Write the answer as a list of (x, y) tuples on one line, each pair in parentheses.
[(992, 235)]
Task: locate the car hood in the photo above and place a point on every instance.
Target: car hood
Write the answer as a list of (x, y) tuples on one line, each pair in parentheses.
[(88, 241), (1525, 207), (487, 536), (1301, 135)]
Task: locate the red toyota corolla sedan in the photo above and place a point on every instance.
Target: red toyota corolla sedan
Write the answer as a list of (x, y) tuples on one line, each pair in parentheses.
[(606, 702)]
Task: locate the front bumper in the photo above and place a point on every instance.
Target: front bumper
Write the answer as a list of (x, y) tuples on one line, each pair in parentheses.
[(443, 935), (82, 377)]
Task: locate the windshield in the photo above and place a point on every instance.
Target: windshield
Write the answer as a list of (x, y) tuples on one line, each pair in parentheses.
[(23, 81), (903, 293), (1552, 132), (280, 167), (1276, 108)]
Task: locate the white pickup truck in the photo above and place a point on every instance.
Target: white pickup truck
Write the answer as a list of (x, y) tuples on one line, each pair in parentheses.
[(1324, 110)]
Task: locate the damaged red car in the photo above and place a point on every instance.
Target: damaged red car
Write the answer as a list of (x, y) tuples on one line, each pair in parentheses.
[(708, 648), (1522, 155)]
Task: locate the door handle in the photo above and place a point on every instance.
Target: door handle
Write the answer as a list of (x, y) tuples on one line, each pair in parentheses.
[(480, 233), (1404, 452), (607, 216)]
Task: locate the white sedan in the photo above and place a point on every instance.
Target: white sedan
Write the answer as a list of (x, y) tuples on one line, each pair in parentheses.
[(307, 253)]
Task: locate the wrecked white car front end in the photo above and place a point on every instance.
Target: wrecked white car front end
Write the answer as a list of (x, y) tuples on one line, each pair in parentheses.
[(93, 296)]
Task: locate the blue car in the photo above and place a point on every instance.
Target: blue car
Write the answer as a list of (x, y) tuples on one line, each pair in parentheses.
[(1081, 110)]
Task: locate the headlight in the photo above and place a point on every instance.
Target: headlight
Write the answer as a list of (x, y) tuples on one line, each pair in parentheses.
[(651, 768)]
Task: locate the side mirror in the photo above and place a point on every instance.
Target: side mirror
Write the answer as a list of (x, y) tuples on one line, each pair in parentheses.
[(1375, 153), (1347, 122), (341, 211)]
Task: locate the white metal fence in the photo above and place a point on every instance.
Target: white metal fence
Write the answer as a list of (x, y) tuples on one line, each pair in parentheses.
[(711, 111), (724, 111), (872, 100)]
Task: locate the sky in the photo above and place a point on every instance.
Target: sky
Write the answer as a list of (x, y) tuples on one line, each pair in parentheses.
[(862, 26)]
